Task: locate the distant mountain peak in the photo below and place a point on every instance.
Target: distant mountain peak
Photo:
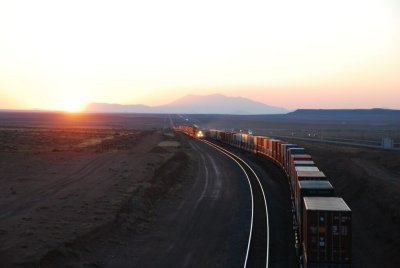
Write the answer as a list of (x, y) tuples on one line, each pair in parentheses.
[(195, 104), (221, 104)]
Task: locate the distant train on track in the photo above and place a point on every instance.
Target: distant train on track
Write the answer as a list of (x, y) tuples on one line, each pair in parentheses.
[(193, 131), (321, 220)]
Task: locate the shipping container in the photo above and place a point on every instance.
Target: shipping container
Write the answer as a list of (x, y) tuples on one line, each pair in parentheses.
[(309, 168), (326, 232), (250, 143), (235, 138), (271, 145), (293, 158), (303, 163), (223, 136), (260, 141), (285, 148), (295, 169), (230, 138), (244, 141), (265, 145), (215, 134), (275, 144), (310, 188), (254, 145), (310, 175), (297, 157), (279, 148), (292, 152), (306, 176)]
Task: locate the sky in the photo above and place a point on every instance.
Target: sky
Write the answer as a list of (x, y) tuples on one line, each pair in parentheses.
[(59, 55)]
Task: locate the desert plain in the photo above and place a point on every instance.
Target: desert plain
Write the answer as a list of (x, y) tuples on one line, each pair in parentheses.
[(85, 191)]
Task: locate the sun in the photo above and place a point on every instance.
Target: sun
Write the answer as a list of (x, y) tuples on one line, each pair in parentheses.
[(73, 104)]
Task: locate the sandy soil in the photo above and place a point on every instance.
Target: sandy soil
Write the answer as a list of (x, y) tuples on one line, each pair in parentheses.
[(62, 187)]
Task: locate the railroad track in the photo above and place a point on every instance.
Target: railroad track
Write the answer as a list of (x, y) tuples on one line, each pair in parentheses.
[(257, 254)]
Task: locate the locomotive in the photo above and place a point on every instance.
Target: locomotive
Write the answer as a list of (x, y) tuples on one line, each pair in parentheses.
[(193, 131)]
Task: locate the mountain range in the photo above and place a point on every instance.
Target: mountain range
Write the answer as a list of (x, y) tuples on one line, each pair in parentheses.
[(193, 104)]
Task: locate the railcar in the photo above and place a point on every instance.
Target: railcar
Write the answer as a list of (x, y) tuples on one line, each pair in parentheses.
[(322, 220)]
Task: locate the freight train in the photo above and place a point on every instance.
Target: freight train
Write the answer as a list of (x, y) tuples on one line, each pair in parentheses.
[(322, 221), (193, 131)]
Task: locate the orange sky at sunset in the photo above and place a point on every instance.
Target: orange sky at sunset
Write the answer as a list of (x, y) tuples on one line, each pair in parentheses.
[(60, 55)]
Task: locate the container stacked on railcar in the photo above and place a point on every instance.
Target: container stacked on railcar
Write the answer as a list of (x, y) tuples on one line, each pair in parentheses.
[(326, 232), (322, 220)]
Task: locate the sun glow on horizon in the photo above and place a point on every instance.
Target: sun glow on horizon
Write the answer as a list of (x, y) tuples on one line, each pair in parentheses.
[(73, 104)]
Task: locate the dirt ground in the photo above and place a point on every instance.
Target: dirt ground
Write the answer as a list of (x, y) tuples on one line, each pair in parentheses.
[(63, 188), (359, 131), (69, 184)]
